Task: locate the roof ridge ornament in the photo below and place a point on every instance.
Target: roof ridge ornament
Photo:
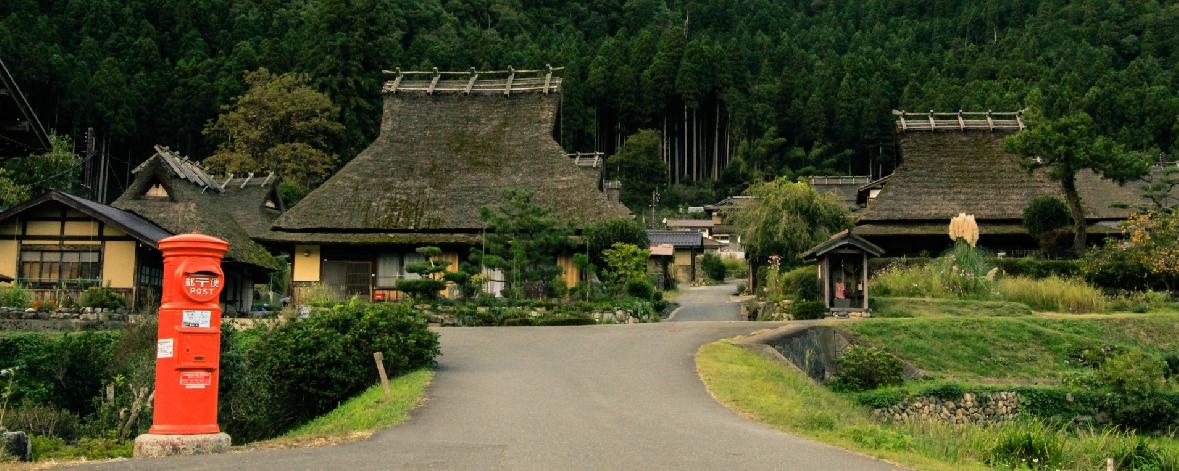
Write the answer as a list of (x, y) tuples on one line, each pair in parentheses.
[(961, 120), (473, 81)]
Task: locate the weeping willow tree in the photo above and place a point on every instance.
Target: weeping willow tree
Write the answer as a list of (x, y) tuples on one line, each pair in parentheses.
[(786, 218)]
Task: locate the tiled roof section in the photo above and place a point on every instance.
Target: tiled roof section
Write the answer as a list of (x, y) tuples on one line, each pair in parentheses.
[(677, 239), (141, 229), (843, 187), (439, 159), (945, 173)]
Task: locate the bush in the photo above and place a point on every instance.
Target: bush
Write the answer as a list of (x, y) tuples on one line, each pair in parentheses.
[(1057, 243), (1052, 294), (64, 371), (735, 267), (1044, 214), (806, 310), (1149, 413), (38, 419), (1131, 373), (639, 288), (605, 234), (862, 368), (103, 297), (1171, 372), (16, 296), (713, 267), (802, 283), (301, 369)]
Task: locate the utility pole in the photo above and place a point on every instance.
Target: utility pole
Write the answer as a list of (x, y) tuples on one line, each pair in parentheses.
[(654, 205)]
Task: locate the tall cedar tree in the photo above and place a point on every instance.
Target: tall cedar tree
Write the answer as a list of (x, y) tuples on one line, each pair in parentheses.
[(1069, 145), (523, 240), (640, 167)]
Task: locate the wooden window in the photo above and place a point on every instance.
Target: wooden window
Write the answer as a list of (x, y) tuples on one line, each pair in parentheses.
[(156, 191), (51, 266)]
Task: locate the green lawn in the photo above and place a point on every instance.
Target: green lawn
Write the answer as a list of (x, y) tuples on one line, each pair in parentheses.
[(362, 415), (1016, 350), (783, 397)]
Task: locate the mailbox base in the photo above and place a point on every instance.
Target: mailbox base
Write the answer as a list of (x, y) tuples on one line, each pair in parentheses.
[(151, 445)]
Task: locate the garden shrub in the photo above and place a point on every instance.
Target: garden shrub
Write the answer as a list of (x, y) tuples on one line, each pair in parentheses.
[(64, 371), (640, 288), (802, 283), (1045, 213), (1141, 456), (945, 391), (103, 297), (1057, 243), (860, 368), (806, 310), (40, 419), (880, 398), (735, 267), (1131, 373), (16, 296), (564, 320), (1145, 413), (302, 369), (714, 269), (1171, 370)]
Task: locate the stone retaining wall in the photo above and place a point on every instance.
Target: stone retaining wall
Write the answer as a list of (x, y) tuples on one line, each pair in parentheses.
[(973, 408), (81, 314)]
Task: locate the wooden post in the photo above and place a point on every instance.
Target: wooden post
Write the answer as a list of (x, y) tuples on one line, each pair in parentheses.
[(396, 81), (471, 82), (1109, 464), (508, 85), (433, 82), (380, 359)]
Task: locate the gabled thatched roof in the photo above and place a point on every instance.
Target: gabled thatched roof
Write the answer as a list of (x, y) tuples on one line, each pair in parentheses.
[(441, 157), (196, 202), (946, 172)]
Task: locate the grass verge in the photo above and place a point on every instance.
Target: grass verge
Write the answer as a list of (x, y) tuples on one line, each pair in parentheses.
[(1015, 350), (784, 398), (359, 417)]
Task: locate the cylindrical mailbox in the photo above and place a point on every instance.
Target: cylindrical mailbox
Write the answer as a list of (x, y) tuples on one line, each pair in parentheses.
[(188, 349)]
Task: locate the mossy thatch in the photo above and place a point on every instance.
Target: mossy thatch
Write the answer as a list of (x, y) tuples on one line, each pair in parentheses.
[(442, 157), (195, 202)]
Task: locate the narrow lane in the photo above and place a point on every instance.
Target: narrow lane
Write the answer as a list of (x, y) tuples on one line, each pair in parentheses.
[(707, 303)]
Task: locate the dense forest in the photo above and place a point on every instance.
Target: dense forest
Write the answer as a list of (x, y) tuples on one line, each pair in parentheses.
[(738, 90)]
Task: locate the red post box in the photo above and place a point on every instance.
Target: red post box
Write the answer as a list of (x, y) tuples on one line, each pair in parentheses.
[(188, 348)]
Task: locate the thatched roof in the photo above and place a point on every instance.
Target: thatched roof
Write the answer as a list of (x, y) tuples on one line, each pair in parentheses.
[(843, 187), (946, 172), (196, 202), (443, 155)]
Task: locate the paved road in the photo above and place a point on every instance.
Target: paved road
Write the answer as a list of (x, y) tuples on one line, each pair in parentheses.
[(707, 303), (591, 397)]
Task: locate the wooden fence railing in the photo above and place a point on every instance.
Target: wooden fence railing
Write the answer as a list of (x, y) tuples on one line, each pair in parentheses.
[(961, 120), (474, 81)]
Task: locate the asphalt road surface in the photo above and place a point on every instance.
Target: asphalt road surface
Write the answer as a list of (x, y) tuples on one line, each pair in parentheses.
[(553, 398), (707, 303)]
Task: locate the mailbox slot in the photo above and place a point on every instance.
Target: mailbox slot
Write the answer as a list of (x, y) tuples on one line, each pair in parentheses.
[(197, 347)]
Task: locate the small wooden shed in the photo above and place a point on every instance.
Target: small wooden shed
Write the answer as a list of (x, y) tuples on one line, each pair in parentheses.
[(843, 270)]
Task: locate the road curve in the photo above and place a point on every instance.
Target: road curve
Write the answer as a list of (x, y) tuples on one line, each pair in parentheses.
[(589, 397), (707, 303)]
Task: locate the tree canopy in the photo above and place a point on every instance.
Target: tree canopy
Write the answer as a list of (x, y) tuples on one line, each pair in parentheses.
[(787, 87), (280, 124), (786, 218)]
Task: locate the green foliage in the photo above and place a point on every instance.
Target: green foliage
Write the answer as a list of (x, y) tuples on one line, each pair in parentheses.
[(523, 240), (15, 296), (431, 275), (861, 368), (1031, 448), (55, 448), (103, 297), (786, 218), (301, 369), (1037, 268), (640, 288), (1045, 213), (735, 267), (713, 267), (58, 168), (605, 234), (1068, 145), (886, 307), (806, 310), (625, 263), (280, 124), (65, 371), (1131, 373), (639, 165)]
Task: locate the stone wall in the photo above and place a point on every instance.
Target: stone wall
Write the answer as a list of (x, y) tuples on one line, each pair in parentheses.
[(973, 408)]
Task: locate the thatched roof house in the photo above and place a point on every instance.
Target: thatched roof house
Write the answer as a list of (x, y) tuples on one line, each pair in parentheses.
[(450, 144), (179, 196), (950, 166)]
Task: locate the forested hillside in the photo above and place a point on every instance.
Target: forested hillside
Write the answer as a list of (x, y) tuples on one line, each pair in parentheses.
[(765, 87)]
